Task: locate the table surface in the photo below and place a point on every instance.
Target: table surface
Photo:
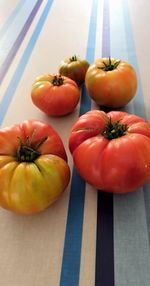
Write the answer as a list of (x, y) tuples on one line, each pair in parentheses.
[(87, 237)]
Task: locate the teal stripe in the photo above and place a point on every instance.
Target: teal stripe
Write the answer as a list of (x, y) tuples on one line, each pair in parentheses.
[(23, 62), (119, 48), (70, 271), (8, 39), (138, 101), (11, 18), (131, 246), (139, 107)]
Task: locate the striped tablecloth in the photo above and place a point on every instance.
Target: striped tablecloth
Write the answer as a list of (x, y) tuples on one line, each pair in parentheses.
[(87, 238)]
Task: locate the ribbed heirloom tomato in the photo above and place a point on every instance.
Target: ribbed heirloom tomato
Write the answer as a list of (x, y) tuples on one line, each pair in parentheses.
[(74, 68), (33, 167), (110, 82), (54, 94), (111, 151)]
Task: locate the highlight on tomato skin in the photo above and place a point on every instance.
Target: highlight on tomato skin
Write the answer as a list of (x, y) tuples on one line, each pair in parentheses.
[(54, 94), (111, 82), (111, 151), (33, 167)]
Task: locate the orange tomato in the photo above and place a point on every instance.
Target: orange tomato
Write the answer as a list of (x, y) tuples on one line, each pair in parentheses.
[(110, 82), (54, 94)]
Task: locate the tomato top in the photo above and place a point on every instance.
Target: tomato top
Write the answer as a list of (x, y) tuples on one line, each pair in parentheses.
[(52, 81), (112, 125), (30, 139)]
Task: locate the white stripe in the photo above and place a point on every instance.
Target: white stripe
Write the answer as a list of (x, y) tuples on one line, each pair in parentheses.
[(19, 54), (6, 10)]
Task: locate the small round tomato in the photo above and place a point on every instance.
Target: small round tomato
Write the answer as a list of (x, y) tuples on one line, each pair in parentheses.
[(33, 167), (111, 151), (74, 68), (110, 82), (54, 94)]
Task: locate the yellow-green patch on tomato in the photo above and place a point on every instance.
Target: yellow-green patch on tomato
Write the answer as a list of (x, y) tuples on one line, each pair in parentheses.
[(35, 172)]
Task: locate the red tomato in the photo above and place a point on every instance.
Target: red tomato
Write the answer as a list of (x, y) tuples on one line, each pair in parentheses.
[(110, 82), (111, 151), (33, 167), (55, 95), (74, 68)]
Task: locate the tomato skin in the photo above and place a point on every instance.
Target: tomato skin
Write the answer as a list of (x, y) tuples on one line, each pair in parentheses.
[(112, 88), (55, 100), (119, 165), (28, 187), (74, 68)]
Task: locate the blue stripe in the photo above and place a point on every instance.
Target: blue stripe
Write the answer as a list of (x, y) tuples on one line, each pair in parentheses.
[(10, 19), (104, 271), (22, 64), (13, 50), (73, 239)]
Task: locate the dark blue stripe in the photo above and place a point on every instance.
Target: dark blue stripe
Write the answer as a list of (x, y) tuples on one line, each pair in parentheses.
[(104, 271), (22, 64), (138, 103), (104, 274), (13, 50), (10, 19), (73, 239)]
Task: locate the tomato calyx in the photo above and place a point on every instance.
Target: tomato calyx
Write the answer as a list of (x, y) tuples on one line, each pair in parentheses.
[(110, 65), (73, 58), (114, 130), (26, 153), (57, 80)]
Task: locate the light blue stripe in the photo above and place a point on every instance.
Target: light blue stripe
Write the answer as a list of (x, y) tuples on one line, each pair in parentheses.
[(131, 246), (22, 64), (73, 239), (8, 39), (11, 18)]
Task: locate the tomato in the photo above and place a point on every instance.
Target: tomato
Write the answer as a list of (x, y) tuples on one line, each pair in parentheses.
[(110, 82), (111, 151), (33, 167), (55, 95), (74, 68)]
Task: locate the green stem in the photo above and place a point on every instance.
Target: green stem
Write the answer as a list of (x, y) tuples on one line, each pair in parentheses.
[(57, 80), (109, 66), (73, 58), (26, 153), (114, 130)]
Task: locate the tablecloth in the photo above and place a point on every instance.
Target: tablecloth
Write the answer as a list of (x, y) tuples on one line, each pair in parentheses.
[(87, 237)]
